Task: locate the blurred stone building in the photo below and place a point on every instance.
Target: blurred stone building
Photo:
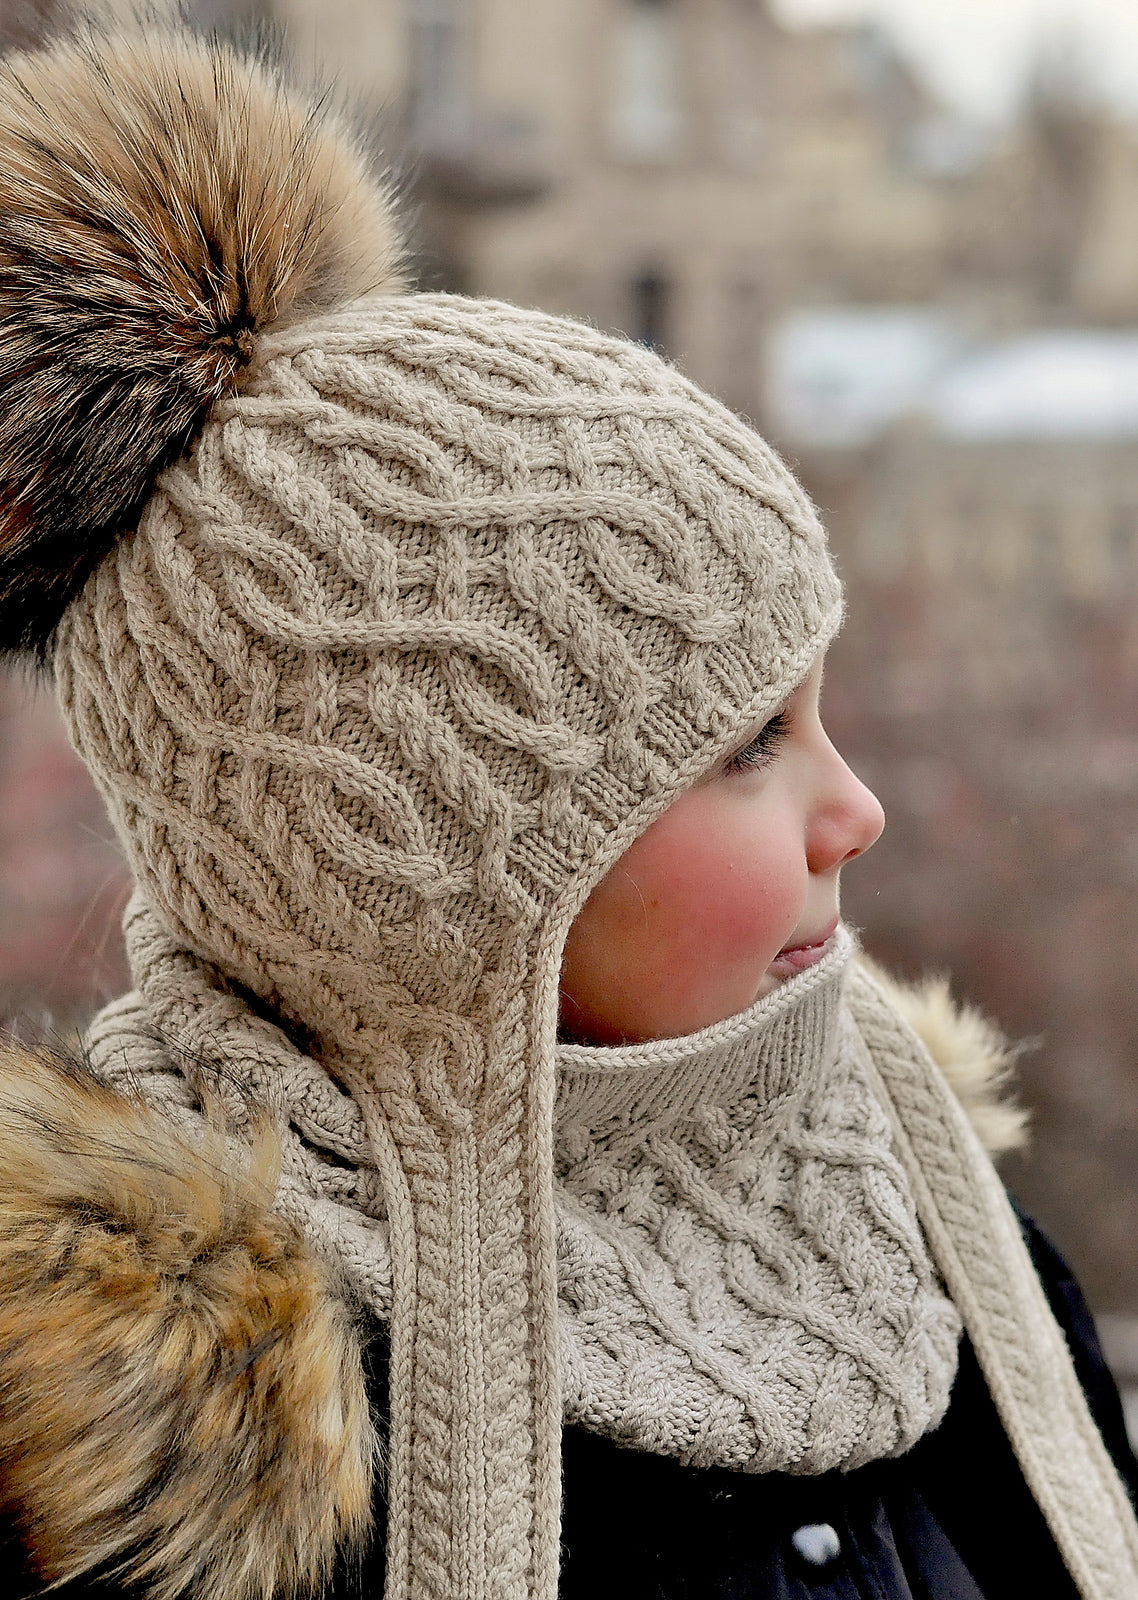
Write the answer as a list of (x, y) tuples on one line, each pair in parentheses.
[(681, 172), (794, 219)]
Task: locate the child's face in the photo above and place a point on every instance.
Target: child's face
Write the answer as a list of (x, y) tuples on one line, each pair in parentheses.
[(732, 890)]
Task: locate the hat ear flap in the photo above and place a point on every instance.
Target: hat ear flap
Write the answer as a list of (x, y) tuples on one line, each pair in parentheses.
[(162, 201)]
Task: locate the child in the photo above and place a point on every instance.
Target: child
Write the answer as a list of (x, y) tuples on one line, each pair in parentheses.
[(451, 674)]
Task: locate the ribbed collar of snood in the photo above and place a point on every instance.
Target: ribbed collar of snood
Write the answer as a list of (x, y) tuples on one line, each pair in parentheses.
[(757, 1053)]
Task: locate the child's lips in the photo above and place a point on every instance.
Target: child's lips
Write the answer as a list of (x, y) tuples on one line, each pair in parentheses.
[(797, 957)]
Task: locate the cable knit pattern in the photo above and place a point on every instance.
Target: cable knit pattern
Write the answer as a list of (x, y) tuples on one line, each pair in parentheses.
[(435, 603), (743, 1279), (702, 1184), (658, 1228), (427, 627), (180, 1039), (437, 615)]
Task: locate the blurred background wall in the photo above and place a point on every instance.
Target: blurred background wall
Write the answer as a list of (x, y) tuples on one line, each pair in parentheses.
[(932, 307)]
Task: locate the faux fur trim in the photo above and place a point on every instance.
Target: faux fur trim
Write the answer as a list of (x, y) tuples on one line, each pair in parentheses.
[(163, 199), (975, 1057), (182, 1405)]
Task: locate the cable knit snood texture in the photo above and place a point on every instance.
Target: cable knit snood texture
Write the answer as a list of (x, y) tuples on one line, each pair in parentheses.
[(703, 1186)]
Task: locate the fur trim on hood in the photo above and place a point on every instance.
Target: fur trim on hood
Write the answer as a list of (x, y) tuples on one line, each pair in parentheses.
[(182, 1403), (975, 1057)]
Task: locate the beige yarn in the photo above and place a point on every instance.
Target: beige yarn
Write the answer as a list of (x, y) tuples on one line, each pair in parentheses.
[(708, 1309), (434, 620), (180, 1037), (430, 624), (970, 1228), (700, 1184)]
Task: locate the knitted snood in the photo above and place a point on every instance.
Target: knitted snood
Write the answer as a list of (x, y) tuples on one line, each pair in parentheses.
[(742, 1279)]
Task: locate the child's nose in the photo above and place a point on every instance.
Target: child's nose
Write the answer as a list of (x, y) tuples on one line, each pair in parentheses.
[(846, 824)]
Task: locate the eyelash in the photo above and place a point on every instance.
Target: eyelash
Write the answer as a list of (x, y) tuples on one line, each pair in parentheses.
[(763, 746)]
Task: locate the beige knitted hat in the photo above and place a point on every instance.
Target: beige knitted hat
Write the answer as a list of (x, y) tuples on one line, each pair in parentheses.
[(385, 622)]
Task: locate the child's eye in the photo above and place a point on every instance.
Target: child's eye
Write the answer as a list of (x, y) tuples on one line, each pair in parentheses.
[(763, 746)]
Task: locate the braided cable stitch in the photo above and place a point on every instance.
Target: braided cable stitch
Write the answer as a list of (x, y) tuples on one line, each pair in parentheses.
[(708, 1309), (268, 576)]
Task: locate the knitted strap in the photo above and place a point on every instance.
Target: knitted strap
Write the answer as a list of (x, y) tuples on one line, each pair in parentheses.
[(979, 1248), (473, 1475)]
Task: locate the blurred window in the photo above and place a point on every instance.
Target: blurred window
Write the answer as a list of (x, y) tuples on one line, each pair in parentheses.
[(437, 100), (646, 119), (650, 304)]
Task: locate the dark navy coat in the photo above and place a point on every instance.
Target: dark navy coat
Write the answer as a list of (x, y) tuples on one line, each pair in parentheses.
[(950, 1520)]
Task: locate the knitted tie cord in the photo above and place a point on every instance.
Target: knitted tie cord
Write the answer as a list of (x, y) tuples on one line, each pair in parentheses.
[(435, 618), (977, 1244)]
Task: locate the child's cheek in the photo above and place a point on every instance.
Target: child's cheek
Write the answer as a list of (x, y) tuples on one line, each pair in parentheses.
[(722, 906)]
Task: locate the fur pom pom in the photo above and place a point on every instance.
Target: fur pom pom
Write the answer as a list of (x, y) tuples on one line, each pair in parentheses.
[(162, 200), (182, 1404)]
